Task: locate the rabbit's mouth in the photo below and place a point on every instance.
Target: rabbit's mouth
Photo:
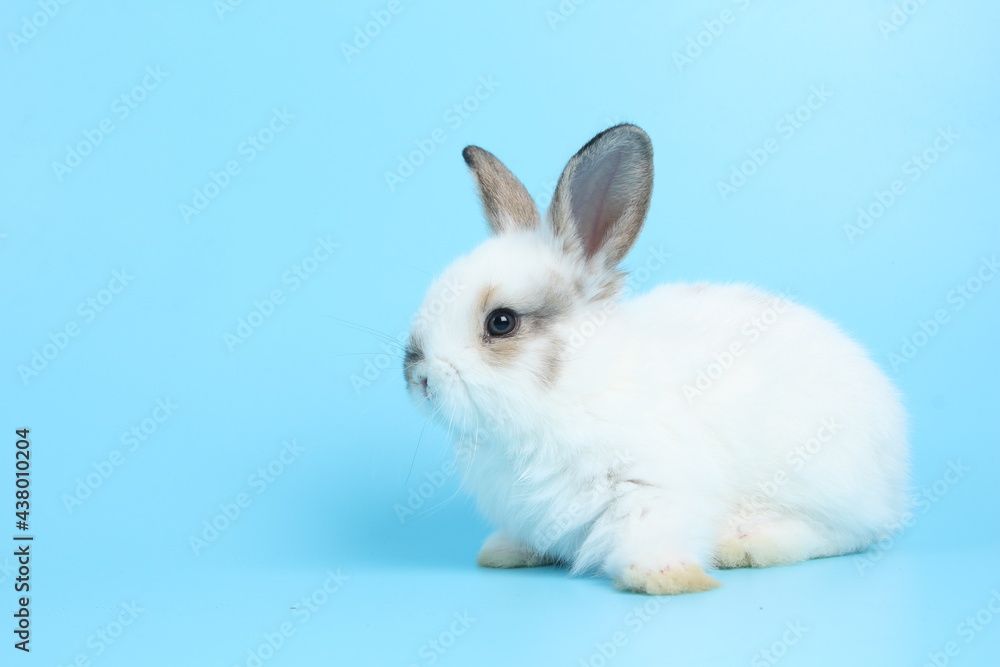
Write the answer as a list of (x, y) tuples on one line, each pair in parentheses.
[(419, 386), (432, 382)]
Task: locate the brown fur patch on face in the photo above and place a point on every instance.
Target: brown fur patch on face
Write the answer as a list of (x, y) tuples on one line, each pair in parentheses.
[(548, 373), (557, 297), (485, 300), (537, 321), (503, 351)]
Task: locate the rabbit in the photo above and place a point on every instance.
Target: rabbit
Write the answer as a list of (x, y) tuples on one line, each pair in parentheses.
[(653, 438)]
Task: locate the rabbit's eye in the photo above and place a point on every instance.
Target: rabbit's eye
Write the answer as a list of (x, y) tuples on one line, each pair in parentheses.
[(502, 322)]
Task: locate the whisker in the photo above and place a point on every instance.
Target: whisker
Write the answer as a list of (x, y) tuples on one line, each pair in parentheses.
[(441, 505), (384, 337), (417, 268), (451, 426), (359, 354), (417, 448)]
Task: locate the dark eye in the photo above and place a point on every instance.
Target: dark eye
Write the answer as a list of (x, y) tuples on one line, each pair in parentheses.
[(501, 322)]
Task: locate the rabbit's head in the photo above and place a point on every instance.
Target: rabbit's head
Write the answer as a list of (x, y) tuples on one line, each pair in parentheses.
[(494, 327)]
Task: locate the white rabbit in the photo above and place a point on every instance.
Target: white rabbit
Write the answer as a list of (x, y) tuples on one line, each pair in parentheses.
[(692, 427)]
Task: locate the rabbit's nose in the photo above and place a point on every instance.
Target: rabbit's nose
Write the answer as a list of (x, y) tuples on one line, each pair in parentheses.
[(423, 386)]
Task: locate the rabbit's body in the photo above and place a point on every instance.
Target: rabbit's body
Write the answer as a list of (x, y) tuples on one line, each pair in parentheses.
[(652, 437)]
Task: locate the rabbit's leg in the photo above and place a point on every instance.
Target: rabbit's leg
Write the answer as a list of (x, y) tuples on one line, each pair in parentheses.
[(500, 550), (655, 545), (768, 540)]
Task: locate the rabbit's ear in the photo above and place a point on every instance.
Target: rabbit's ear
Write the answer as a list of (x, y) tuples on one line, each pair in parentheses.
[(506, 203), (603, 194)]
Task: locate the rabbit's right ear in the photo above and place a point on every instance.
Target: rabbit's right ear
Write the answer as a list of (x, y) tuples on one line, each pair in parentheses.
[(603, 194), (506, 203)]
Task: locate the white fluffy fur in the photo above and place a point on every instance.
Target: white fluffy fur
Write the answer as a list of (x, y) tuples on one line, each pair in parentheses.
[(796, 450)]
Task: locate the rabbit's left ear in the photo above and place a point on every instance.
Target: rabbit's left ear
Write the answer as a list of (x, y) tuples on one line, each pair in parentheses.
[(603, 194), (506, 202)]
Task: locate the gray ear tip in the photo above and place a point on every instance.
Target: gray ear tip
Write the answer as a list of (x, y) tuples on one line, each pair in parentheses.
[(470, 153), (627, 131), (624, 135), (627, 128)]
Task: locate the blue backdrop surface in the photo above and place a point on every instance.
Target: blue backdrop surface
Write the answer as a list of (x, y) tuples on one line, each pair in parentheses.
[(217, 216)]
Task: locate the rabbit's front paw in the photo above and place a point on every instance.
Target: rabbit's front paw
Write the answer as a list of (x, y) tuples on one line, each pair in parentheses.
[(672, 579)]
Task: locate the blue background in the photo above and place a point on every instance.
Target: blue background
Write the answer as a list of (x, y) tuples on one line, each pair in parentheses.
[(114, 516)]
